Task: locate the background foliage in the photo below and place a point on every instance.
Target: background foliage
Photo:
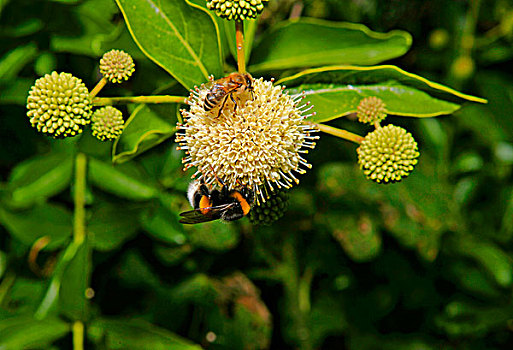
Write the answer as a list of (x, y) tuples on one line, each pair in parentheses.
[(422, 264)]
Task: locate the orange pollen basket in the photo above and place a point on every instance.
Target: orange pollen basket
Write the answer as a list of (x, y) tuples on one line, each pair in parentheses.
[(243, 202), (205, 205)]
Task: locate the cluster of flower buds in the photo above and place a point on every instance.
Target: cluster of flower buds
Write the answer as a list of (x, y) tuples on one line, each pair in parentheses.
[(60, 105), (237, 10), (387, 154), (270, 211)]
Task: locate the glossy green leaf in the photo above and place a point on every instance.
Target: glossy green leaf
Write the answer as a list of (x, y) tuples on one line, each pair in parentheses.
[(75, 280), (29, 225), (143, 130), (111, 225), (310, 42), (114, 180), (39, 178), (137, 335), (179, 36), (17, 333), (336, 91)]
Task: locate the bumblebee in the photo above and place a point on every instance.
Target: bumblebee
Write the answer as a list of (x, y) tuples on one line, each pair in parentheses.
[(210, 205), (221, 89)]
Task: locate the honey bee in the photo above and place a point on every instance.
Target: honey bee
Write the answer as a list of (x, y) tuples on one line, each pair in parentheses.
[(221, 89), (214, 204)]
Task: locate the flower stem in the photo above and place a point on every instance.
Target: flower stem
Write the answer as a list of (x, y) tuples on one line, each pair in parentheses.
[(344, 134), (98, 87), (107, 101), (239, 39), (78, 335), (79, 231)]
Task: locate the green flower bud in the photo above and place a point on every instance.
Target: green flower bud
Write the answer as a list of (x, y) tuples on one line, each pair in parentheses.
[(271, 210), (370, 110), (107, 123), (116, 66), (387, 154), (236, 9), (58, 105)]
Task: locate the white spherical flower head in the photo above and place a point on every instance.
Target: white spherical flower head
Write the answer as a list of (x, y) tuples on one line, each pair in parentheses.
[(256, 143)]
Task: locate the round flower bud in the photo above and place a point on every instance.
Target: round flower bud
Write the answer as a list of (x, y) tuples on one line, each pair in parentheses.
[(258, 140), (387, 154), (271, 210), (371, 110), (116, 66), (236, 9), (107, 123), (58, 105)]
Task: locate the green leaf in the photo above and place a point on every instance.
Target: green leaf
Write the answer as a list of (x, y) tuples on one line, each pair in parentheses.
[(52, 295), (311, 42), (143, 130), (26, 333), (493, 259), (13, 62), (96, 30), (39, 178), (358, 236), (111, 225), (15, 91), (75, 281), (46, 219), (163, 224), (179, 36), (118, 182), (135, 334), (23, 295), (464, 319), (216, 236), (336, 91)]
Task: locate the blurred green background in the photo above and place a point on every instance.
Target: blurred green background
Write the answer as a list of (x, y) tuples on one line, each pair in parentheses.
[(422, 264)]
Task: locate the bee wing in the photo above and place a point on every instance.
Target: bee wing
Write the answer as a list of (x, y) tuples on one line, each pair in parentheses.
[(196, 216)]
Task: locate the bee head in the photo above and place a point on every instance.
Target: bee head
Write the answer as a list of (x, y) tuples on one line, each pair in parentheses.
[(249, 81)]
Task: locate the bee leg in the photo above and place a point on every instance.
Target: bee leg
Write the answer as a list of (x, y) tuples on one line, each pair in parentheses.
[(204, 190), (219, 181), (224, 191), (222, 106), (234, 103)]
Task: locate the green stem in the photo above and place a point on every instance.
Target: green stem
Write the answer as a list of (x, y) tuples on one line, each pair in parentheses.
[(78, 335), (79, 230), (98, 87), (239, 40), (343, 134), (107, 101)]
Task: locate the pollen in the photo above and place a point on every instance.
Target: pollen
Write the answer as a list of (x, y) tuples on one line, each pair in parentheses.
[(258, 143)]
